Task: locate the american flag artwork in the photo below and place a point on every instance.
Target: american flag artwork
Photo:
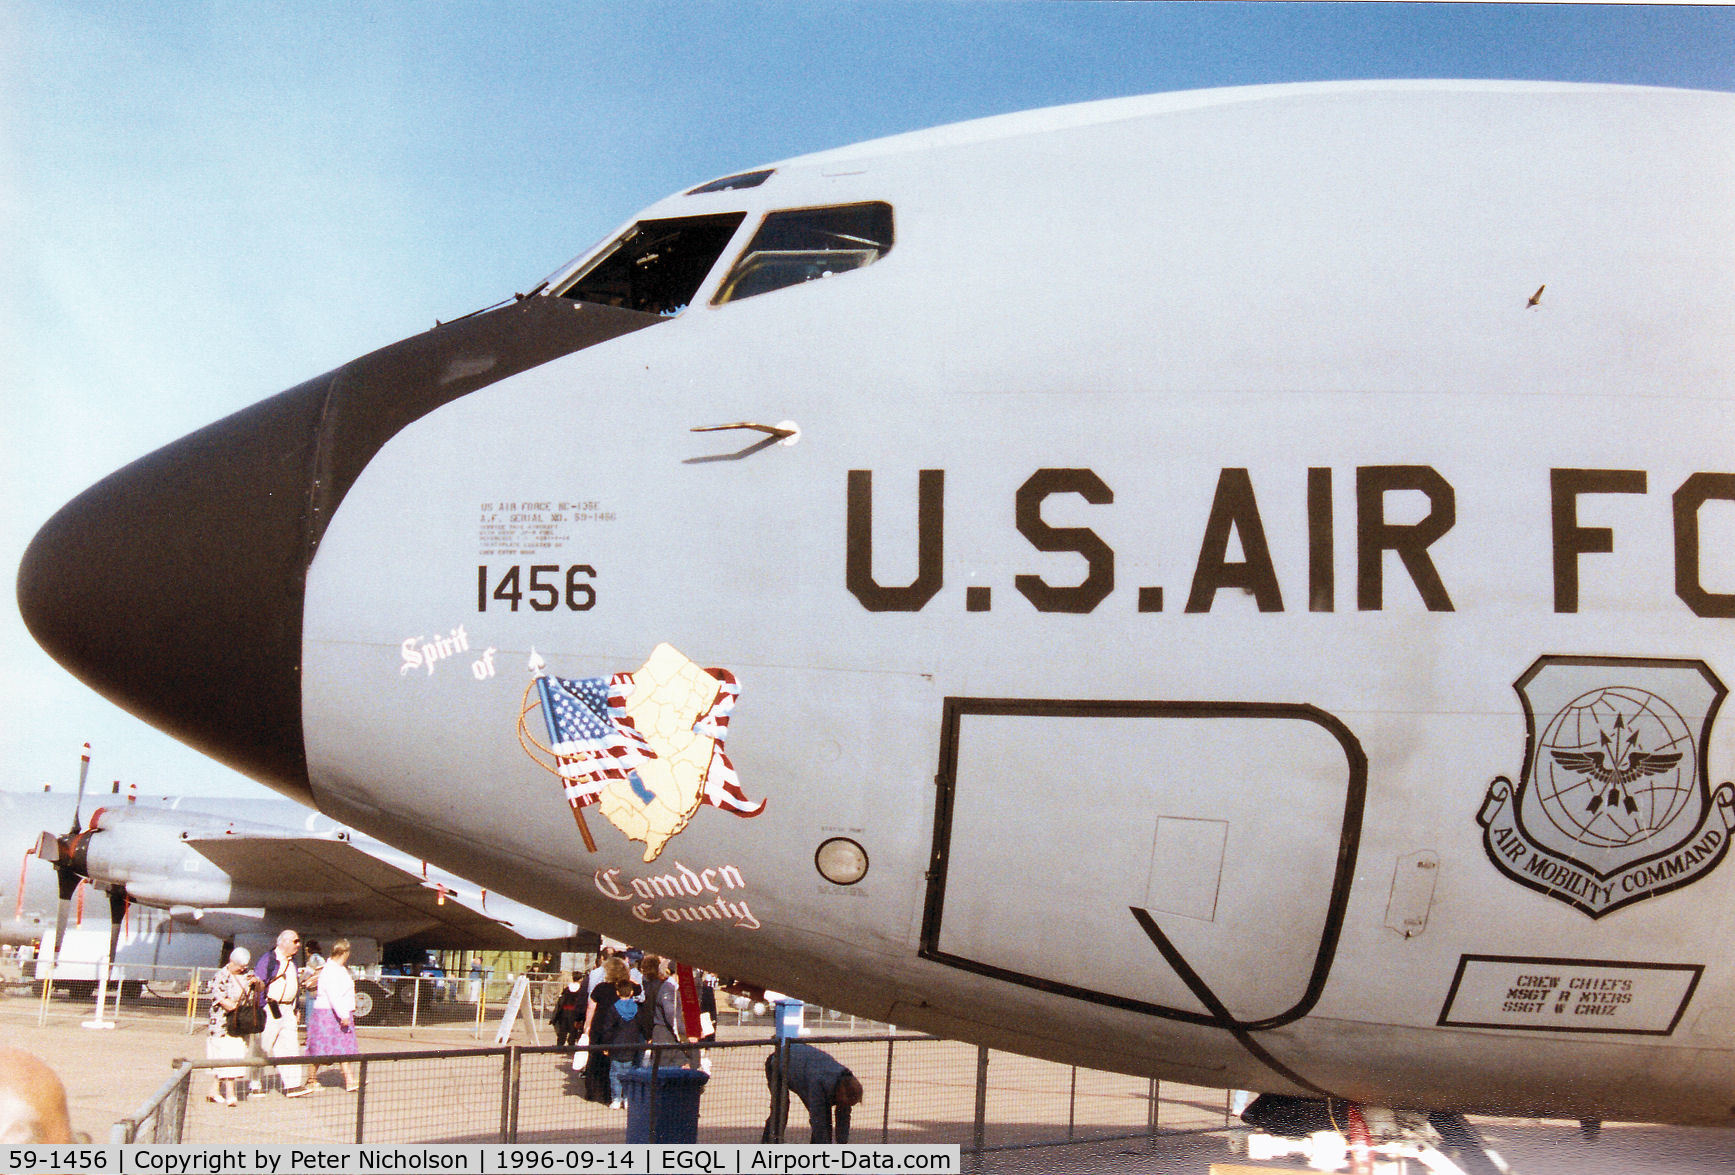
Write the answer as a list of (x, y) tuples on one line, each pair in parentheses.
[(646, 747), (593, 739), (722, 786)]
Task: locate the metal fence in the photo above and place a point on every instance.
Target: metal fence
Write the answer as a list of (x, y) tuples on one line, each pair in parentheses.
[(163, 1118), (382, 1000), (471, 1006), (917, 1089)]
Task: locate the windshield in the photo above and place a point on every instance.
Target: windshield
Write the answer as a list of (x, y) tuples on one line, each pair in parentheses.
[(806, 244), (656, 266)]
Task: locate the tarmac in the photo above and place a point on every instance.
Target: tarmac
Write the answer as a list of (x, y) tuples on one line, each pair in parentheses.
[(110, 1073)]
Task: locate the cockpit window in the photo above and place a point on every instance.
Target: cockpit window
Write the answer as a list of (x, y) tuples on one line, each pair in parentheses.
[(657, 265), (806, 244), (734, 183)]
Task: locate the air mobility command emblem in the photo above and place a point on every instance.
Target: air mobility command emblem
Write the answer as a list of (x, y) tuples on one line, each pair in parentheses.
[(1614, 803), (646, 748)]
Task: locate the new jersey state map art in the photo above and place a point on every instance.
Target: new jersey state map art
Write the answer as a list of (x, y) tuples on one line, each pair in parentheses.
[(645, 748)]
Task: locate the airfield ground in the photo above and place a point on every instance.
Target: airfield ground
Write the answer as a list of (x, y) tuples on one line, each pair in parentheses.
[(109, 1074)]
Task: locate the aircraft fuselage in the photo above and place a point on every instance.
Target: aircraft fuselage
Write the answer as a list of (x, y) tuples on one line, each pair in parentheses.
[(1170, 599)]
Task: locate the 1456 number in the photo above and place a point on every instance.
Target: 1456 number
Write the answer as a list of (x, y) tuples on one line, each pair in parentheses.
[(539, 585)]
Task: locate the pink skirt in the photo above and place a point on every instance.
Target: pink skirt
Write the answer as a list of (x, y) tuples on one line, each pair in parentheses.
[(327, 1038)]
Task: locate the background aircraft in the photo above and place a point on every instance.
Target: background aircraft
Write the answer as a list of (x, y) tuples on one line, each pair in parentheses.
[(187, 880), (916, 548)]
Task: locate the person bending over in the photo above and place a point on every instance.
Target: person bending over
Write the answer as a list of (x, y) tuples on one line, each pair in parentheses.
[(828, 1090)]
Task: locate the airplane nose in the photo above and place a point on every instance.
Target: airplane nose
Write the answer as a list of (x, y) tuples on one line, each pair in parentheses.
[(175, 586)]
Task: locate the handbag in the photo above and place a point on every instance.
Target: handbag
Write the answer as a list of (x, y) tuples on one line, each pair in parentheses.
[(245, 1019)]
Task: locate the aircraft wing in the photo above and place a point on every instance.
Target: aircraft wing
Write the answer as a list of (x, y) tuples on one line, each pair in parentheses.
[(344, 880)]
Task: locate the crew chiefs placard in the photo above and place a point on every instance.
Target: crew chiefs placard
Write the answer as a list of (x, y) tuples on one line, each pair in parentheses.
[(1569, 995)]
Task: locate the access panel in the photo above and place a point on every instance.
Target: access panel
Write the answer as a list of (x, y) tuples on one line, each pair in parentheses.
[(1185, 859)]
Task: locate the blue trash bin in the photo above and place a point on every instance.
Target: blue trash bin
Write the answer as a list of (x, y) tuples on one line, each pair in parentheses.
[(677, 1092), (788, 1023)]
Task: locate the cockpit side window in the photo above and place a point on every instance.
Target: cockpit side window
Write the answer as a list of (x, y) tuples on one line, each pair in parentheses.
[(657, 265), (805, 244)]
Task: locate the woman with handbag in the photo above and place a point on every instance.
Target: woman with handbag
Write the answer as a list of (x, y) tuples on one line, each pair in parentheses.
[(661, 1017), (234, 1017)]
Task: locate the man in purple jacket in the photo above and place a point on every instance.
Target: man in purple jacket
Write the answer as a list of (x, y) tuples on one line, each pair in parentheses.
[(281, 998)]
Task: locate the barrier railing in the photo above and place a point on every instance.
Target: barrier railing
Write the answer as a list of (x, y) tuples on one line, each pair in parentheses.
[(917, 1089), (382, 1000), (460, 1004), (163, 1117)]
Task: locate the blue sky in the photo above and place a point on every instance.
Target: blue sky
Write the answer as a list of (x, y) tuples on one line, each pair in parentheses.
[(207, 203)]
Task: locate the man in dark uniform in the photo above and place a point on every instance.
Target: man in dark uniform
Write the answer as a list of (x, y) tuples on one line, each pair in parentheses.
[(825, 1087)]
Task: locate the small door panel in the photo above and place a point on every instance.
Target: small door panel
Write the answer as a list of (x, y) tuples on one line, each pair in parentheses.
[(1232, 828)]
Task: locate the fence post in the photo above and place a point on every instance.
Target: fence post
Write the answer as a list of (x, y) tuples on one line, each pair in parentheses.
[(416, 1003), (506, 1090), (1155, 1110), (980, 1136), (886, 1101), (656, 1056), (193, 1001), (177, 1104), (517, 1091), (780, 1106), (360, 1098), (1072, 1105)]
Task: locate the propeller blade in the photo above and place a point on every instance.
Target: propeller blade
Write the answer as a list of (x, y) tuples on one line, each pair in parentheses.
[(117, 914), (60, 924), (68, 879), (78, 805)]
